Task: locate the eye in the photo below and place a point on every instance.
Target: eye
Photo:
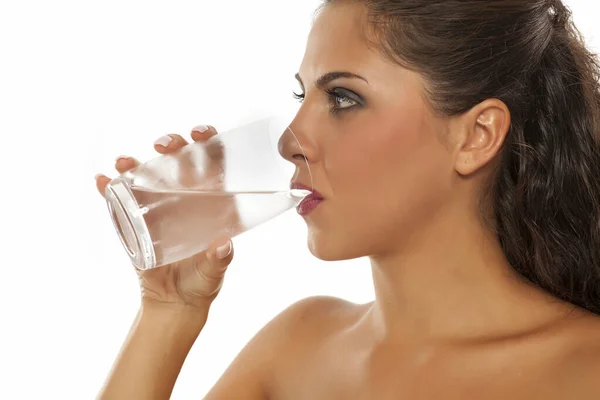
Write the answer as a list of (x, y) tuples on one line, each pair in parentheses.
[(343, 99), (299, 97)]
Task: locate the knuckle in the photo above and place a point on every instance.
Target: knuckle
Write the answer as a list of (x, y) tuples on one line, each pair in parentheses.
[(209, 278)]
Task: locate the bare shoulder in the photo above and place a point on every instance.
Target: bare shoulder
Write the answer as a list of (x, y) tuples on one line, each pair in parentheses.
[(589, 338), (579, 369), (320, 314), (309, 324), (282, 343), (308, 329), (585, 337)]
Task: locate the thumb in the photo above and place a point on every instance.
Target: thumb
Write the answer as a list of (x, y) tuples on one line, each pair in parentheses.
[(204, 277), (220, 254)]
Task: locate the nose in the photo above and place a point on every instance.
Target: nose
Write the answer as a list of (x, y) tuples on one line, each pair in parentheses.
[(291, 148)]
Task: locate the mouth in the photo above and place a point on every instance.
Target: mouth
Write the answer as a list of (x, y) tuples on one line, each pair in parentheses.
[(310, 202)]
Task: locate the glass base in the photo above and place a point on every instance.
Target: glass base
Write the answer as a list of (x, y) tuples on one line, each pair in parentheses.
[(129, 222)]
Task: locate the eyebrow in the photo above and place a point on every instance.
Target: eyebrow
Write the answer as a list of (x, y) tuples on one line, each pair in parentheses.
[(332, 76)]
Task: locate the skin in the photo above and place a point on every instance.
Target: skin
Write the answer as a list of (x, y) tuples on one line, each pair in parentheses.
[(451, 319)]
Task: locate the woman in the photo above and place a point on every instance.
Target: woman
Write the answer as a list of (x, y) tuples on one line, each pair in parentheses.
[(455, 143)]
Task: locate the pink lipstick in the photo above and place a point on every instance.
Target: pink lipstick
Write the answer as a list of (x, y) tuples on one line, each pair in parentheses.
[(310, 202)]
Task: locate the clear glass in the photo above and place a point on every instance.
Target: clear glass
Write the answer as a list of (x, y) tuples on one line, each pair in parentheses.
[(175, 205)]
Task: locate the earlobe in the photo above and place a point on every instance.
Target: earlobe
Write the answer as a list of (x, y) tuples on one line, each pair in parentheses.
[(486, 127)]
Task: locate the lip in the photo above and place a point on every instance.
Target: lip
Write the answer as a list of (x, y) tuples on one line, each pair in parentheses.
[(314, 193), (310, 202)]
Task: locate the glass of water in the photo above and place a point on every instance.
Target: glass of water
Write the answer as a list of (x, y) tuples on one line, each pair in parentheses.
[(175, 205)]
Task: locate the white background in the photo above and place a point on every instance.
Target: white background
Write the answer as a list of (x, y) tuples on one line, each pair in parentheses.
[(82, 82)]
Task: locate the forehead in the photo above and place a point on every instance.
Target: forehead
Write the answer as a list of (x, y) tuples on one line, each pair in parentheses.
[(337, 40)]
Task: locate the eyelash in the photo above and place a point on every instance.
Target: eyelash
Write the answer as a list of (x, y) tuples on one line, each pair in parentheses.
[(333, 97)]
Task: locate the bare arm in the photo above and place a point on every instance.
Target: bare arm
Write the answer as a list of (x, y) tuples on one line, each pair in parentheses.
[(248, 375), (157, 345), (161, 338), (175, 303), (153, 354)]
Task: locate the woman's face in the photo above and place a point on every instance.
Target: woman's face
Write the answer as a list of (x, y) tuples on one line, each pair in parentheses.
[(372, 142)]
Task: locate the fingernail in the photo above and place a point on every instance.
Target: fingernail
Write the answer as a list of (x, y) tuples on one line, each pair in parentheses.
[(200, 128), (97, 176), (121, 158), (224, 251), (164, 141)]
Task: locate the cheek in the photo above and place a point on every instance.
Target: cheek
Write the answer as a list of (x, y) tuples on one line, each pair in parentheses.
[(385, 156), (386, 173)]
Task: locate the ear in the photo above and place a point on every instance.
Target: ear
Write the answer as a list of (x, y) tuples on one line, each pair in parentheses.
[(484, 130)]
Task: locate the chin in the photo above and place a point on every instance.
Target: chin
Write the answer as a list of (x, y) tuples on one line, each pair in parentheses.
[(328, 249)]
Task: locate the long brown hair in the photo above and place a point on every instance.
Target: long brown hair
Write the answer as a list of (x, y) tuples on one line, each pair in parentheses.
[(527, 53)]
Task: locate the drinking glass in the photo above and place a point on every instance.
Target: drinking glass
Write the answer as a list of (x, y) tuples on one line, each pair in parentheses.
[(175, 205)]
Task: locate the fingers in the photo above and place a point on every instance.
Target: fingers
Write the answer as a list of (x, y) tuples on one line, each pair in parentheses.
[(203, 132), (172, 142), (101, 182), (163, 145), (169, 143), (213, 167), (122, 164), (125, 163)]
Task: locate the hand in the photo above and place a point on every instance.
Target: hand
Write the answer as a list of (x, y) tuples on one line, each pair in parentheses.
[(193, 283)]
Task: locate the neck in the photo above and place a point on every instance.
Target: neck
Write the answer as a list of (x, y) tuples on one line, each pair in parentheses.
[(452, 281)]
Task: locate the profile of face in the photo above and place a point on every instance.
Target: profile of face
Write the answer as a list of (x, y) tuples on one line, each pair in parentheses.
[(371, 140)]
